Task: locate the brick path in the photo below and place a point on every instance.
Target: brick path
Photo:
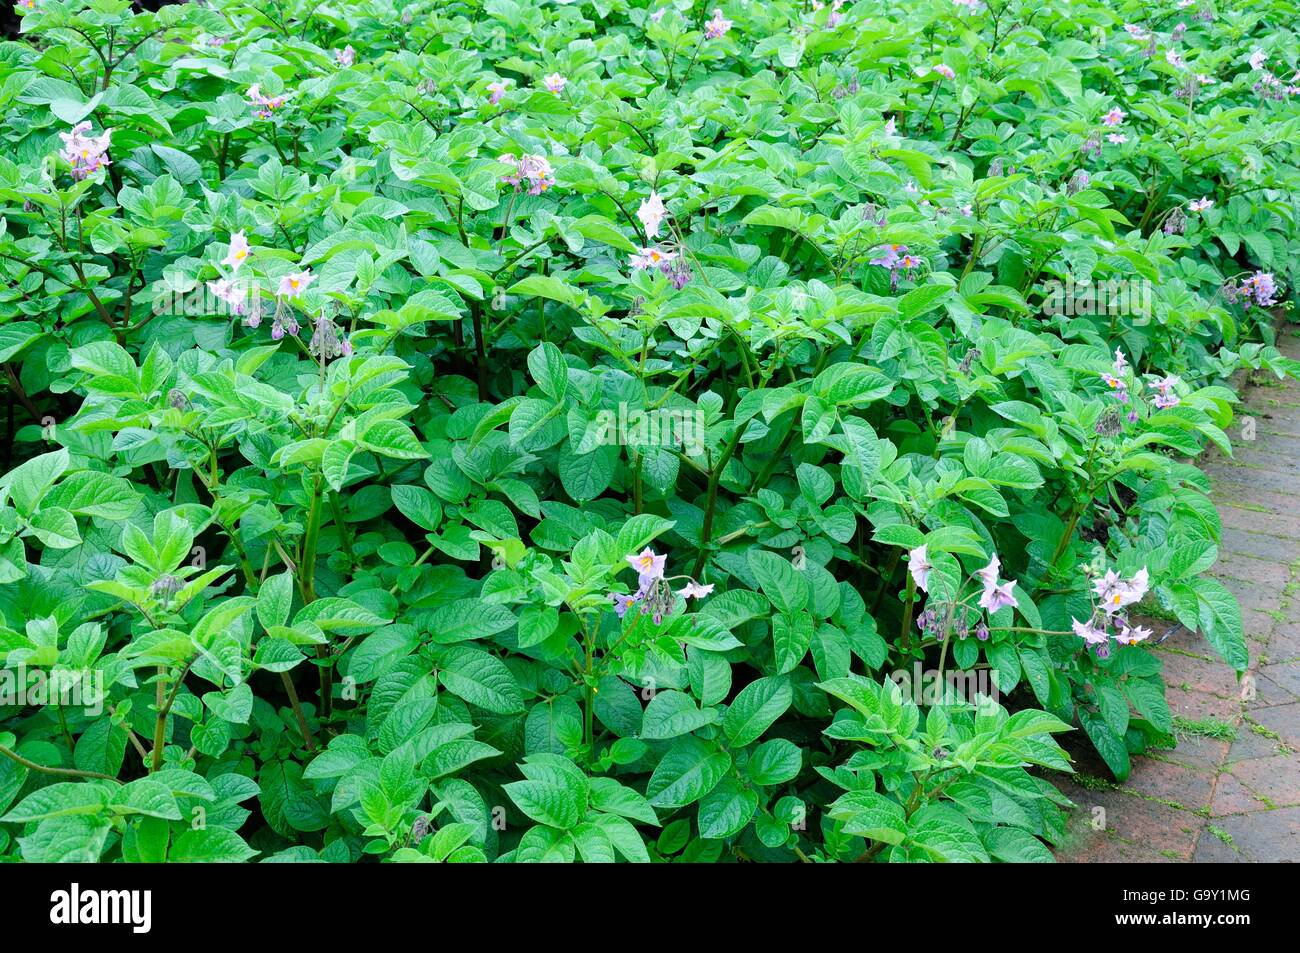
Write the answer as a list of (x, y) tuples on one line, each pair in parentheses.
[(1230, 791)]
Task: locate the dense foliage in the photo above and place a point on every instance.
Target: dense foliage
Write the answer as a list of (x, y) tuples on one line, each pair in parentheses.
[(513, 431)]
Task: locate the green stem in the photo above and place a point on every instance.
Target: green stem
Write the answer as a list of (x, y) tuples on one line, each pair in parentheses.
[(66, 772), (307, 584), (909, 598), (715, 474), (160, 721)]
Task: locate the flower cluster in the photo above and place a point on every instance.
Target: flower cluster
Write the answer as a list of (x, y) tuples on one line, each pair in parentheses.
[(264, 106), (1165, 396), (86, 154), (994, 595), (1115, 378), (718, 27), (655, 595), (1113, 596), (346, 56), (326, 342), (532, 171), (897, 260), (1260, 290)]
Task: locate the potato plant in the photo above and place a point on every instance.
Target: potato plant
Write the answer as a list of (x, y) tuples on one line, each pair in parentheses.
[(616, 430)]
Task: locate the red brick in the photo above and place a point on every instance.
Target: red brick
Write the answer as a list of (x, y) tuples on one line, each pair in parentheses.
[(1199, 674), (1200, 706), (1272, 782), (1170, 782)]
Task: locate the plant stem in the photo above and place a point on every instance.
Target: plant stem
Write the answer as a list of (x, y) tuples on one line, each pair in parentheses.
[(66, 772), (307, 584), (715, 474), (292, 692), (160, 721)]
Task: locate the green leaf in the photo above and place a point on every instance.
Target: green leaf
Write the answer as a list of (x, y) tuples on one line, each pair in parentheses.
[(756, 707), (779, 580), (212, 845), (671, 713), (479, 678)]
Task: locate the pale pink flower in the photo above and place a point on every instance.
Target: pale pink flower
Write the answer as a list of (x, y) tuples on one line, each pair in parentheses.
[(946, 71), (229, 292), (1257, 59), (495, 92), (264, 106), (658, 14), (648, 565), (555, 83), (238, 252), (1088, 632), (535, 170), (693, 590), (1173, 59), (1200, 205), (623, 602), (651, 258), (346, 56), (1117, 138), (651, 213), (1114, 117), (718, 27), (918, 564), (1131, 635), (997, 597), (295, 283), (1115, 593)]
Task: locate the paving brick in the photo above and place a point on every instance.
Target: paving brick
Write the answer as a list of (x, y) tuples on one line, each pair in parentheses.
[(1266, 572), (1263, 455), (1257, 476), (1259, 545), (1231, 796), (1273, 727), (1285, 674), (1196, 751), (1211, 850), (1198, 674), (1111, 850), (1272, 782), (1270, 524), (1173, 783), (1201, 706), (1284, 644), (1264, 837), (1269, 693)]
